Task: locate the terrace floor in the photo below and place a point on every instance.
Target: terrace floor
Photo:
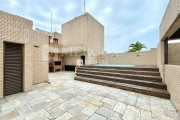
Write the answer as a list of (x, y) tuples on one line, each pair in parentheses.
[(64, 98)]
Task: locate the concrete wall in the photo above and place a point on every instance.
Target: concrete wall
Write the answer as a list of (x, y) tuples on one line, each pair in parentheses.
[(75, 48), (84, 30), (134, 58), (17, 30), (71, 59), (95, 36), (43, 32), (95, 39), (170, 16), (40, 57), (74, 32), (58, 36), (174, 54), (53, 34)]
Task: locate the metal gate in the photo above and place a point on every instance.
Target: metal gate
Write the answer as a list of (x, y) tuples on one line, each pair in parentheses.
[(12, 68)]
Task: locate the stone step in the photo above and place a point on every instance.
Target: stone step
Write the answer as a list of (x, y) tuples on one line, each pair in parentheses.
[(122, 75), (129, 87), (151, 73), (140, 68), (152, 84)]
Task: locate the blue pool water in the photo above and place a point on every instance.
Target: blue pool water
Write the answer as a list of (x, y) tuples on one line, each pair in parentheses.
[(115, 65)]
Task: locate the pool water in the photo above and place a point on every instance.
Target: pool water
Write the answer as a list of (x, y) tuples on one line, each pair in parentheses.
[(116, 65)]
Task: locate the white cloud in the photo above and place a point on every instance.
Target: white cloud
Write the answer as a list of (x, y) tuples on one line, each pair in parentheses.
[(13, 3), (108, 10), (143, 31), (91, 5), (70, 6)]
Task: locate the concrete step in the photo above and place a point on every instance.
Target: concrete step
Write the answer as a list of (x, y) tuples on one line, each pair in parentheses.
[(123, 75), (140, 68), (146, 83), (129, 87), (151, 73)]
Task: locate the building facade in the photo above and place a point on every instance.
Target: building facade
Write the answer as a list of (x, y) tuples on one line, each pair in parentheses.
[(29, 63), (167, 54), (27, 55), (83, 35)]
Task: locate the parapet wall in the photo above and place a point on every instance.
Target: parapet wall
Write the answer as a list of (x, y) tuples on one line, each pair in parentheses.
[(134, 58)]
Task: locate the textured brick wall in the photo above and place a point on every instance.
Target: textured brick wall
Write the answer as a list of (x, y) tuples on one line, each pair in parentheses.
[(172, 79), (170, 73), (160, 58), (18, 30), (40, 57), (134, 58), (174, 54), (172, 11)]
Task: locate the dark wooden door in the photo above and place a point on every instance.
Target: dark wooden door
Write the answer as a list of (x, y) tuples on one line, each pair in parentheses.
[(12, 68), (166, 51), (83, 58)]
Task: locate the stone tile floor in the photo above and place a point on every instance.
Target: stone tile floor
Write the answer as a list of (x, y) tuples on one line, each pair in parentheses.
[(63, 98)]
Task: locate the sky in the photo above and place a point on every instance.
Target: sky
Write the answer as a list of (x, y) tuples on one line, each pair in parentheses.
[(125, 21)]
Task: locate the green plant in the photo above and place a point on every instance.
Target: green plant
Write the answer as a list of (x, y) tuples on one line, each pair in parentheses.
[(134, 47)]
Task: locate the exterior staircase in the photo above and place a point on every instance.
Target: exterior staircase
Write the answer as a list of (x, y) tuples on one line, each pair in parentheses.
[(145, 80)]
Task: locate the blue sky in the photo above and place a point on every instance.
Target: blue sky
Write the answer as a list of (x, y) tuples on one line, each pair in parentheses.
[(125, 21)]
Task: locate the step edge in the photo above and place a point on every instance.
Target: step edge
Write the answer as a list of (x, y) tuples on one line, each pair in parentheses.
[(155, 81), (149, 76), (166, 92)]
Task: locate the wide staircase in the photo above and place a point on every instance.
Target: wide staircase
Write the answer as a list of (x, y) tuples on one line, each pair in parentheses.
[(145, 80)]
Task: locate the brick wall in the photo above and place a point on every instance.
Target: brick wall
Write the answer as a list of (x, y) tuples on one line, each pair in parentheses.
[(174, 54), (172, 79), (17, 30), (170, 73), (160, 59), (40, 57)]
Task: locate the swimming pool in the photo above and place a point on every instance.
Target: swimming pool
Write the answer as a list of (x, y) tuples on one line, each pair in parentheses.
[(116, 65)]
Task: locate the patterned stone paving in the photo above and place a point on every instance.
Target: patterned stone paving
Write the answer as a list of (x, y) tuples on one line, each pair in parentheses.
[(63, 98)]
